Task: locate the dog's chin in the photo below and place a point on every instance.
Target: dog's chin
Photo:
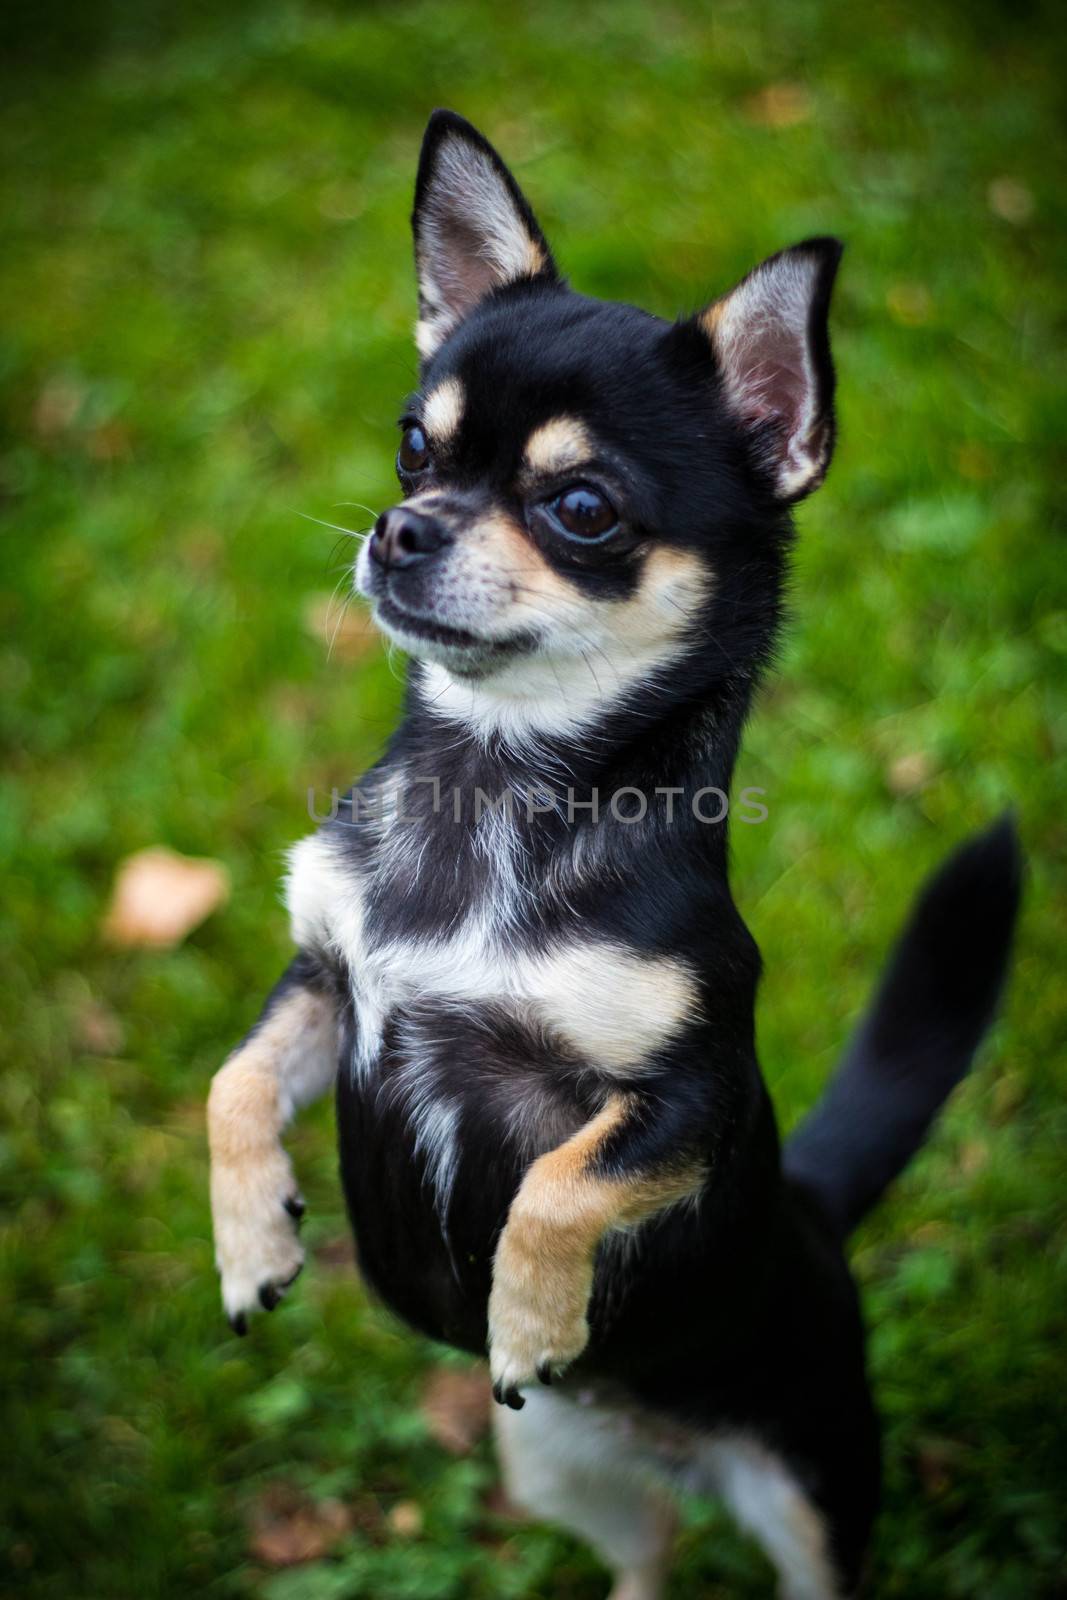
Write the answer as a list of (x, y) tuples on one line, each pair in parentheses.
[(465, 654)]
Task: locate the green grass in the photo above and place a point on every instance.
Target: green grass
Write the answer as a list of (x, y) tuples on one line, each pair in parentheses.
[(208, 296)]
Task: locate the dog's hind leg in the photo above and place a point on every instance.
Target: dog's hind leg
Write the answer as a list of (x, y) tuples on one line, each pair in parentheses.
[(768, 1502), (571, 1465), (288, 1060)]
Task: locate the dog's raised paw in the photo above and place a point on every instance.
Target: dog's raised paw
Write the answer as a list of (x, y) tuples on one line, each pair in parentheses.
[(257, 1212), (526, 1345)]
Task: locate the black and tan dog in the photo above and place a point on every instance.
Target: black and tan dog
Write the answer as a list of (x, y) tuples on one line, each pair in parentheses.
[(519, 959)]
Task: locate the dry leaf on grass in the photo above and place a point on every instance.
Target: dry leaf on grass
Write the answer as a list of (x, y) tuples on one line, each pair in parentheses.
[(405, 1519), (287, 1528), (495, 1503), (936, 1463), (910, 773), (337, 1255), (58, 405), (160, 896), (973, 1157), (1011, 200), (342, 625), (93, 1025), (98, 1030), (779, 105), (111, 441), (455, 1407)]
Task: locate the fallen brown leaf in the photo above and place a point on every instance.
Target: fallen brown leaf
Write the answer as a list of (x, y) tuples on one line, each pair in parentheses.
[(93, 1025), (406, 1519), (910, 773), (495, 1502), (287, 1528), (337, 1255), (934, 1463), (973, 1156), (160, 896), (779, 105), (293, 703), (98, 1030), (111, 441), (1009, 1092), (1011, 200), (455, 1407), (57, 406)]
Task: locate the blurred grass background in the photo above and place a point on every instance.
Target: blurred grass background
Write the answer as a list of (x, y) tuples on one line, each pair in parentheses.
[(207, 297)]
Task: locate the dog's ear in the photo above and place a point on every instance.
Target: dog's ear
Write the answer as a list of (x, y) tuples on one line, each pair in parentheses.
[(474, 230), (771, 340)]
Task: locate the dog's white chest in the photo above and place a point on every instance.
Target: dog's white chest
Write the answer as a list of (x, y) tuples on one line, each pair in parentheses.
[(612, 1005)]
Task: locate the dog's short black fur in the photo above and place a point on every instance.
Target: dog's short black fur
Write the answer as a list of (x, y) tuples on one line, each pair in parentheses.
[(588, 568)]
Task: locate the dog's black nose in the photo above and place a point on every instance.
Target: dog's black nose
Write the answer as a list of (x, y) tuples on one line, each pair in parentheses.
[(402, 537)]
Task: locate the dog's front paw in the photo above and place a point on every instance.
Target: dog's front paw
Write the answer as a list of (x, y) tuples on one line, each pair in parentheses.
[(256, 1209), (537, 1327)]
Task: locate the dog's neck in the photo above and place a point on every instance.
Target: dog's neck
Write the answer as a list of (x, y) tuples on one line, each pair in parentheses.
[(657, 733), (556, 827)]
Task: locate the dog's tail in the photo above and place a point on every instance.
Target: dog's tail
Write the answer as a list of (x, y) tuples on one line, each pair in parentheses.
[(919, 1038)]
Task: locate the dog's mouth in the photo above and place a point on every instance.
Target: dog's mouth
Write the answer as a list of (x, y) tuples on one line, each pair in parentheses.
[(472, 649), (410, 622)]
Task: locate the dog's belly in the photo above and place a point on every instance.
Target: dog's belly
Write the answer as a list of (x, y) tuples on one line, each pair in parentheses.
[(471, 1048), (436, 1131), (436, 1134)]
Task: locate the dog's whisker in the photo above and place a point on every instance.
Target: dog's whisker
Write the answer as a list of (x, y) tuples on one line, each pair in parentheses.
[(352, 533), (342, 605), (358, 506)]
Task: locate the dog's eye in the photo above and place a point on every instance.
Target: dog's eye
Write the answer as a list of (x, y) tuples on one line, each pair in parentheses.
[(414, 452), (585, 513)]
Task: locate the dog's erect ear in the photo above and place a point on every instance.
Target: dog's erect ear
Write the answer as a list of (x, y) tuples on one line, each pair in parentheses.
[(772, 344), (474, 231)]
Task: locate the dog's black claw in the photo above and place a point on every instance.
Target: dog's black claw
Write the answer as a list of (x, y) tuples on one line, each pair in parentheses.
[(268, 1296), (295, 1207), (239, 1324), (544, 1372), (507, 1397)]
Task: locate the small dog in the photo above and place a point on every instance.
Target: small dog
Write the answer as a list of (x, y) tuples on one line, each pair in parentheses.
[(519, 959)]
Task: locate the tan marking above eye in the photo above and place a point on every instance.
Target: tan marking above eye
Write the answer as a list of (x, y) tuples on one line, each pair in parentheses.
[(442, 411), (558, 446)]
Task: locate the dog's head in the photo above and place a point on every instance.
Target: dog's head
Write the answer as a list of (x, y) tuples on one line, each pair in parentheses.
[(594, 498)]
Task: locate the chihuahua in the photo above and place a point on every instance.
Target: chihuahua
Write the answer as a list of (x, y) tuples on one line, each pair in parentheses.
[(519, 960)]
